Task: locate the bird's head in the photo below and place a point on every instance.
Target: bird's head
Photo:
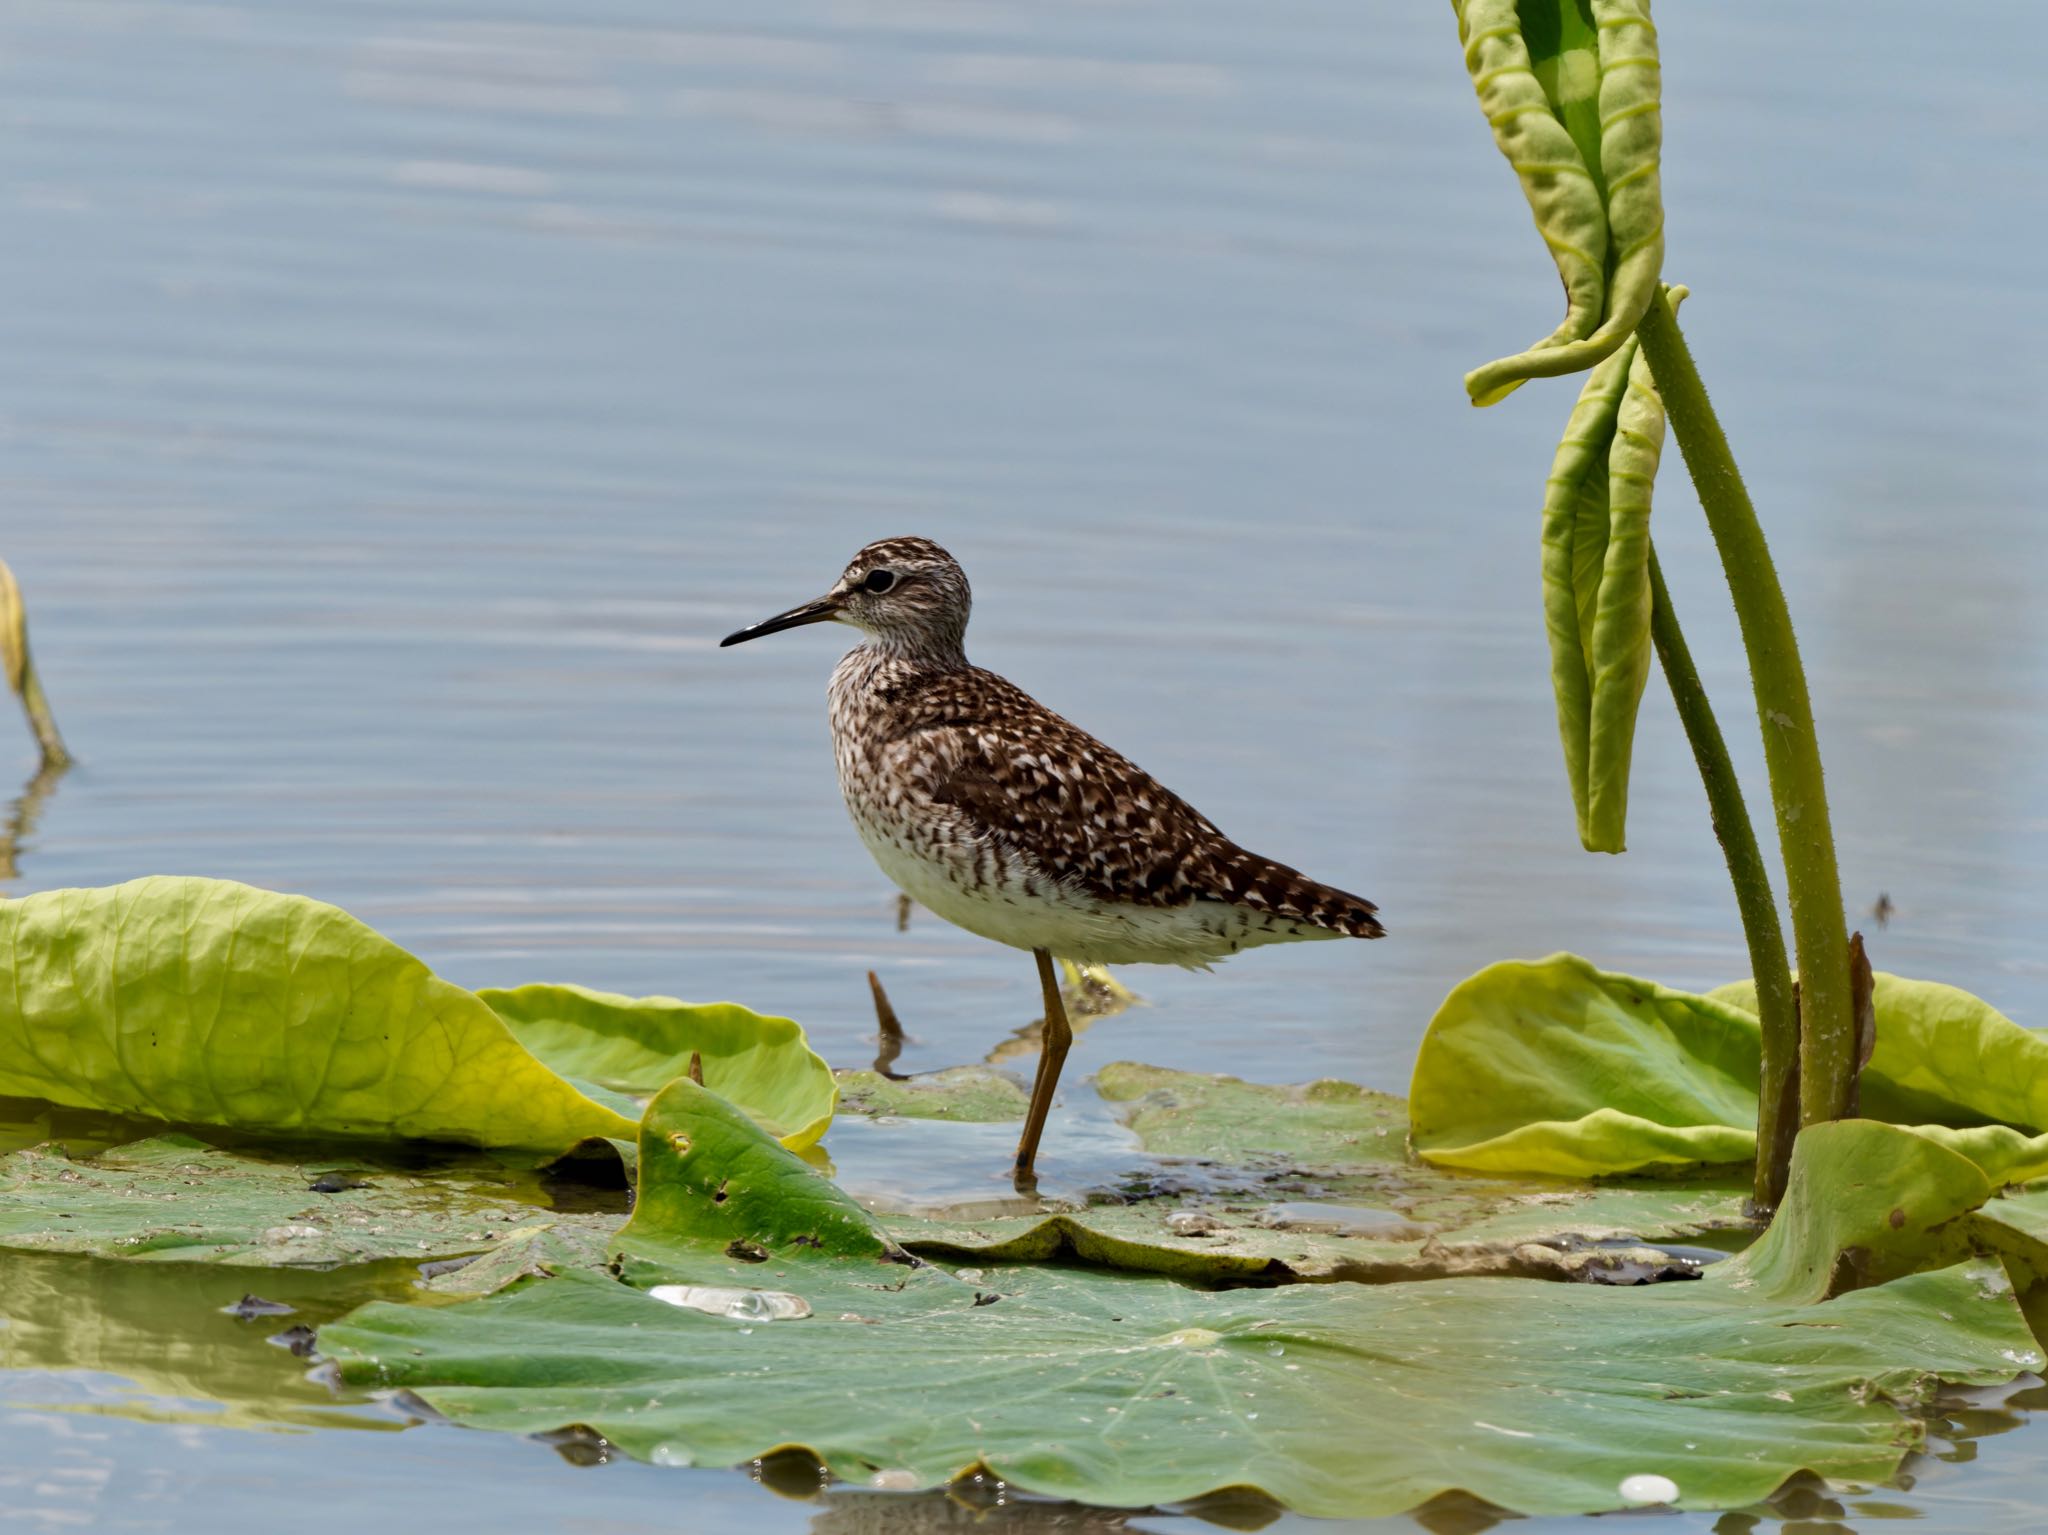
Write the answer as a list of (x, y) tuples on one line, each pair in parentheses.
[(906, 592)]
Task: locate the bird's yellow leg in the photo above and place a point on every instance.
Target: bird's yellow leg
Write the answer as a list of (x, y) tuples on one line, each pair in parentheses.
[(1052, 1056)]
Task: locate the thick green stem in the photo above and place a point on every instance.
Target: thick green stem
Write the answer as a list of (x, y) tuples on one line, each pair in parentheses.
[(1777, 1118), (1813, 886)]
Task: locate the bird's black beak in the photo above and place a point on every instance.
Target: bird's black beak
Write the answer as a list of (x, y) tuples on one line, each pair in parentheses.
[(824, 610)]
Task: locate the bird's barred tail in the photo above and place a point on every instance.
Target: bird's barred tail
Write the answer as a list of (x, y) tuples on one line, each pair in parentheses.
[(1263, 885)]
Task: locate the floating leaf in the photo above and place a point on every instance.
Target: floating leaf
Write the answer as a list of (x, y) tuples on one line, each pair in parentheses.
[(1556, 1067), (1571, 91), (204, 1002), (1340, 1400), (639, 1045), (540, 1249), (1596, 583), (1181, 1114), (1846, 1224), (963, 1094), (710, 1174), (1315, 1183), (176, 1199)]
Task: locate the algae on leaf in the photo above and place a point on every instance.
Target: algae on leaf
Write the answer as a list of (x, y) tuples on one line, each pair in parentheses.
[(176, 1199), (1339, 1400), (962, 1094), (1314, 1182)]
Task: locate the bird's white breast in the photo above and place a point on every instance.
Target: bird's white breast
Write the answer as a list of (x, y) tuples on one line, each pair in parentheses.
[(976, 879)]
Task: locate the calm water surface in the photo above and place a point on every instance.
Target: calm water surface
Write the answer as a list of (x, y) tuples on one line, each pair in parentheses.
[(399, 402)]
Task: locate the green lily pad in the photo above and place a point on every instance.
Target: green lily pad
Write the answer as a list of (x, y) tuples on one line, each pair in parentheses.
[(1865, 1202), (1340, 1400), (965, 1094), (177, 1199), (1557, 1067), (203, 1002), (1314, 1183), (639, 1045), (1180, 1114), (206, 1003), (540, 1249)]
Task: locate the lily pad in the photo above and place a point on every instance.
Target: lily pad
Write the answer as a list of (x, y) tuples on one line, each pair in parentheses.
[(1340, 1400), (206, 1003), (1865, 1202), (1180, 1114), (540, 1249), (203, 1002), (1314, 1182), (177, 1199), (639, 1045), (1554, 1066), (965, 1094)]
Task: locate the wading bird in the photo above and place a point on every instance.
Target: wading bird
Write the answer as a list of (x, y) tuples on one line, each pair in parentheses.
[(1003, 818)]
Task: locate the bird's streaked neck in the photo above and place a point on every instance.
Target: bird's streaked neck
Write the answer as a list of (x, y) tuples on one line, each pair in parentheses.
[(939, 650)]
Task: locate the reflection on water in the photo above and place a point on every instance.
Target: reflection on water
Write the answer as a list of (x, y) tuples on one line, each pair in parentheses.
[(401, 403), (23, 811), (157, 1341)]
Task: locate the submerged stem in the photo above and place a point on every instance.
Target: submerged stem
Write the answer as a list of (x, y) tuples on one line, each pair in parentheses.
[(1813, 886), (42, 721), (1777, 1118)]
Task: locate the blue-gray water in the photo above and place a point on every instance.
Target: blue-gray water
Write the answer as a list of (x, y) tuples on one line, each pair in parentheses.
[(397, 402)]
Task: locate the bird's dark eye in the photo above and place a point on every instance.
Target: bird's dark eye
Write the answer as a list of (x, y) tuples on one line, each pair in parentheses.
[(879, 581)]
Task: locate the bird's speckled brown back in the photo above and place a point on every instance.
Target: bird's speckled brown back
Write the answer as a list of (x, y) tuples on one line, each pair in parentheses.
[(1083, 813)]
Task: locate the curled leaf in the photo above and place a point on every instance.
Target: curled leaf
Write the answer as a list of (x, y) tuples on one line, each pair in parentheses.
[(1596, 583), (638, 1045), (1555, 1067), (1571, 89)]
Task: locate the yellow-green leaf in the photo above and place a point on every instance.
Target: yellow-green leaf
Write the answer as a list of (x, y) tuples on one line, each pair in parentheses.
[(211, 1003), (1571, 89), (1596, 583), (1556, 1067), (639, 1045)]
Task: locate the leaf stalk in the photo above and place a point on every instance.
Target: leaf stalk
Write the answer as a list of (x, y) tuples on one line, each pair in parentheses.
[(1827, 1018), (1777, 1000)]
